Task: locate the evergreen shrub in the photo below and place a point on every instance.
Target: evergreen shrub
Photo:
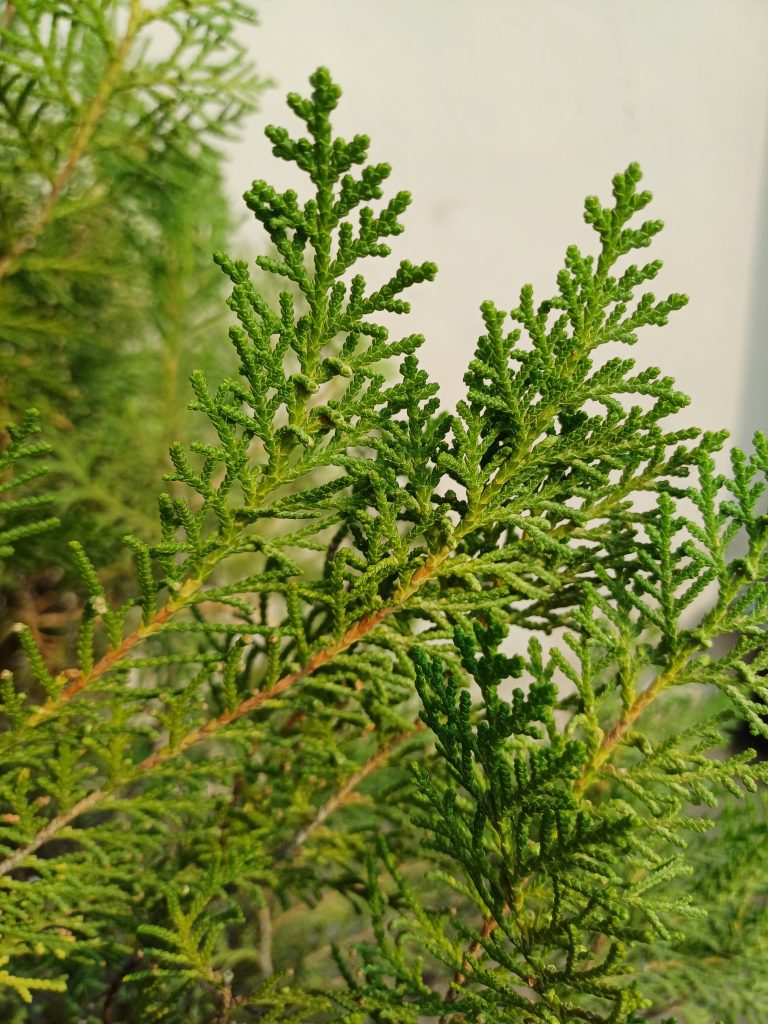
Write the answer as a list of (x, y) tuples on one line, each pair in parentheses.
[(303, 773)]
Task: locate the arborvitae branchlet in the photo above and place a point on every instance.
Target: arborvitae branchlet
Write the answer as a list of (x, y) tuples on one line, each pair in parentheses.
[(296, 778)]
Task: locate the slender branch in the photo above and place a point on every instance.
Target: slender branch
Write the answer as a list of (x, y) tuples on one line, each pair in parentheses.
[(353, 635), (80, 143), (54, 826), (666, 679), (109, 1007), (356, 632), (256, 700), (79, 681), (472, 952), (265, 942), (342, 795), (628, 718)]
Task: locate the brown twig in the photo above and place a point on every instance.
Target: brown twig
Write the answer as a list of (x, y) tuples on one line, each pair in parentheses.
[(342, 795), (54, 826), (222, 983), (265, 942), (79, 681), (353, 635), (628, 717), (110, 999)]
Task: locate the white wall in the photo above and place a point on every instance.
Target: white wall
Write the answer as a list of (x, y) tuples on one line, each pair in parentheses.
[(501, 115)]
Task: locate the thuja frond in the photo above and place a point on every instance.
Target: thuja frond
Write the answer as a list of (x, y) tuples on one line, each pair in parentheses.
[(730, 875), (20, 515), (566, 873), (338, 544)]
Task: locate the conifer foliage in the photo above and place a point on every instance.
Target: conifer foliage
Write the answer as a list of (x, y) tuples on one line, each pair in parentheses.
[(298, 778), (110, 202)]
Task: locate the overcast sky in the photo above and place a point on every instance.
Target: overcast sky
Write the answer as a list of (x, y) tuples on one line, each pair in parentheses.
[(501, 115)]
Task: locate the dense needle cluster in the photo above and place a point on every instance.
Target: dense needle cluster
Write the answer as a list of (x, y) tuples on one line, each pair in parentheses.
[(301, 775)]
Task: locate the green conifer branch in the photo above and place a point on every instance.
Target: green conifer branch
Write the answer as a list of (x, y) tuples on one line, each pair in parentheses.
[(90, 118), (13, 455), (346, 543), (155, 621)]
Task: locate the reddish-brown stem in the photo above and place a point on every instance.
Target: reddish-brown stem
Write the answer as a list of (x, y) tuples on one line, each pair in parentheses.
[(355, 633), (79, 681), (629, 716), (260, 697)]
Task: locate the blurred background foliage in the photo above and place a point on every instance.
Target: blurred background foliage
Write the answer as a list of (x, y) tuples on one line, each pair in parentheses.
[(111, 203)]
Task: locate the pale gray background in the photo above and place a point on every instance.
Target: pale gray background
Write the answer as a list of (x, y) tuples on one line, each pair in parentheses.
[(501, 115)]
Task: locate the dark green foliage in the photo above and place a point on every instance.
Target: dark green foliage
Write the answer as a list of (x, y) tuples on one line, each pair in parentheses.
[(572, 860), (234, 808)]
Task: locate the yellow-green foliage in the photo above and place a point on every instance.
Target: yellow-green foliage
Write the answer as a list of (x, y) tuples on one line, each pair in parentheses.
[(296, 777)]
